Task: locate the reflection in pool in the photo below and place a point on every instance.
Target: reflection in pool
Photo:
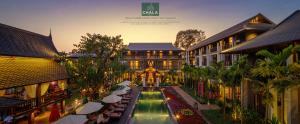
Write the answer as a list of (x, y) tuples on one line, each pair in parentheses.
[(151, 109)]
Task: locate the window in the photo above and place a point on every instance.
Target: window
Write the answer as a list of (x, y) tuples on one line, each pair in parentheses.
[(228, 60), (131, 64), (214, 58), (164, 64), (136, 64), (160, 54), (148, 54), (128, 53), (170, 64), (170, 52), (204, 61)]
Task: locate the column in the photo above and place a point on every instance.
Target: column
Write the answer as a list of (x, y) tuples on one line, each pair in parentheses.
[(38, 95), (200, 57), (208, 57)]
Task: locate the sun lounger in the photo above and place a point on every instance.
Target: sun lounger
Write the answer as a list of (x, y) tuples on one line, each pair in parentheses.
[(117, 109), (102, 119), (125, 101), (115, 115), (119, 105)]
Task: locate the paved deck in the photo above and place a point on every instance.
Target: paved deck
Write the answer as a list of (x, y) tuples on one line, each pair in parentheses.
[(127, 114), (191, 101)]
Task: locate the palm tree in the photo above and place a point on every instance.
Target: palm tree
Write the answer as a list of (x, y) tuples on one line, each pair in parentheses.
[(172, 73), (187, 74), (236, 74), (221, 75), (272, 72)]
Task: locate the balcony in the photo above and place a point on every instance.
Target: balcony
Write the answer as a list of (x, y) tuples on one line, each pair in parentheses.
[(227, 63), (213, 49), (52, 97), (203, 51), (17, 106), (226, 46), (151, 57)]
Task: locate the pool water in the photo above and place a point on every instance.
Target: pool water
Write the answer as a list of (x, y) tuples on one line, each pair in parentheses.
[(151, 109)]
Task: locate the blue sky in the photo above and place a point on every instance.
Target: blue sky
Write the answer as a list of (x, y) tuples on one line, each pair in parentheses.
[(69, 19)]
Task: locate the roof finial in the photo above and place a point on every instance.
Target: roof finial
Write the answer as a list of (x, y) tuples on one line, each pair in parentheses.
[(50, 35)]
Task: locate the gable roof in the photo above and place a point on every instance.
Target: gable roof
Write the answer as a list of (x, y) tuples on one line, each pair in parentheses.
[(21, 71), (152, 46), (244, 25), (19, 42), (286, 31)]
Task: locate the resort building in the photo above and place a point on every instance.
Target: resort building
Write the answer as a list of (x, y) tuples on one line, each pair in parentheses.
[(153, 62), (285, 107), (30, 78), (209, 50)]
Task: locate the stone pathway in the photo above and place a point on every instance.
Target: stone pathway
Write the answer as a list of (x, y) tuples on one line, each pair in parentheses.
[(191, 101)]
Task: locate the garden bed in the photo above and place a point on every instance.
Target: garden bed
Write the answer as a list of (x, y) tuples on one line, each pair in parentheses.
[(183, 112)]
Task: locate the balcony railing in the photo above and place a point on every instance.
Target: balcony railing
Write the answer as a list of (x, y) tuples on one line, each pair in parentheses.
[(226, 46), (213, 49), (203, 52), (21, 108), (33, 103), (52, 97), (152, 57), (227, 63)]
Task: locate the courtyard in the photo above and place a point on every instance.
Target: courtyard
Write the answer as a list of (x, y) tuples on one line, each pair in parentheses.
[(149, 62)]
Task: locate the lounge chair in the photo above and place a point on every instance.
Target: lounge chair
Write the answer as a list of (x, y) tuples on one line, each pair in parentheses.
[(115, 115), (102, 119), (125, 101), (119, 105), (116, 109)]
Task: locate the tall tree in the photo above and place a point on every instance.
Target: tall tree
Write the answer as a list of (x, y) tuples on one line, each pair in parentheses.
[(221, 75), (186, 38), (99, 51)]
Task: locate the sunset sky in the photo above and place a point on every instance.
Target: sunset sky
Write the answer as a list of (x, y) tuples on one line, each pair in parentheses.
[(70, 19)]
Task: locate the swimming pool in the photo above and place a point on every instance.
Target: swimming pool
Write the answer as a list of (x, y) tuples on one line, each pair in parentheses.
[(151, 109)]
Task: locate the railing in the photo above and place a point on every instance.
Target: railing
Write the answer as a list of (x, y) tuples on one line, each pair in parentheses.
[(152, 57), (203, 51), (226, 46), (31, 104), (213, 49), (227, 63), (204, 62), (52, 97), (23, 107)]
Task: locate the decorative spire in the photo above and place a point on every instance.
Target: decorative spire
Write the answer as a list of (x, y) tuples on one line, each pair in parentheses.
[(50, 35)]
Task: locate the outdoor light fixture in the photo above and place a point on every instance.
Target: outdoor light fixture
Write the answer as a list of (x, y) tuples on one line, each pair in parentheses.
[(177, 116), (168, 98)]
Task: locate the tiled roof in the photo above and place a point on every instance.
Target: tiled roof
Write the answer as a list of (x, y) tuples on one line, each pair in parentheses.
[(20, 71), (245, 25), (286, 31), (19, 42), (152, 46)]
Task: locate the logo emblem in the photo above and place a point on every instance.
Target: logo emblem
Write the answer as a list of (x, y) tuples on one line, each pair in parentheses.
[(150, 9)]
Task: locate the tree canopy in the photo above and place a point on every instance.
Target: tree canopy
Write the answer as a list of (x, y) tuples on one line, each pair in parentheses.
[(186, 38), (99, 58)]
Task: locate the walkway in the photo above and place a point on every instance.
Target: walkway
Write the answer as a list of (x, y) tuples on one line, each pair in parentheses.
[(127, 114), (191, 101)]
